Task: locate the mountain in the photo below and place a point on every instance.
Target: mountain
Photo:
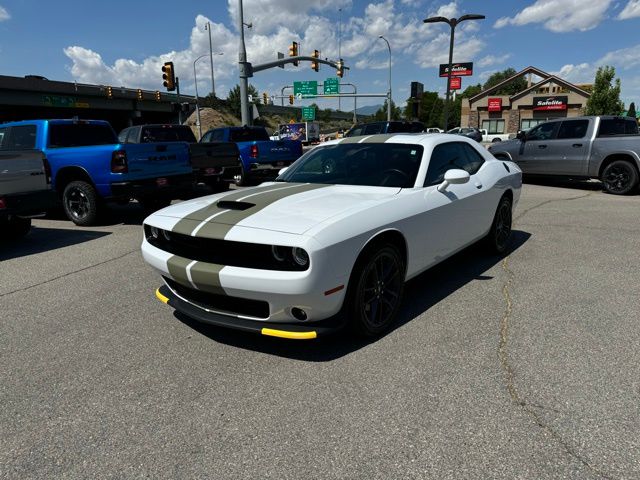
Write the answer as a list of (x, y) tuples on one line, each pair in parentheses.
[(368, 110)]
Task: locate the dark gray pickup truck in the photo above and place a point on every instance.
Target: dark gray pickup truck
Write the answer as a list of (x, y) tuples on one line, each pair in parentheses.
[(603, 147), (214, 163), (25, 189)]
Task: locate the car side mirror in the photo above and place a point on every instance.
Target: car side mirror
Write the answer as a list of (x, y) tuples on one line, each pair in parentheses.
[(455, 176), (282, 170), (521, 135)]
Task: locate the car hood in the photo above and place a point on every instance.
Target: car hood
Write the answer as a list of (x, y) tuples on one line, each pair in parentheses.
[(282, 207)]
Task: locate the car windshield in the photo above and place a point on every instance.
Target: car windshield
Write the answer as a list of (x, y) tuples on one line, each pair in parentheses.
[(372, 164)]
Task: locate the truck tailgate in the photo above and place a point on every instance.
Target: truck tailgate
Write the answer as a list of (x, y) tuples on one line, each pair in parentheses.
[(157, 159), (279, 150), (22, 171), (214, 155)]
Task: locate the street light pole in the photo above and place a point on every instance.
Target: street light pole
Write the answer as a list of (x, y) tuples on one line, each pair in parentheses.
[(452, 22), (213, 85), (242, 60), (389, 98)]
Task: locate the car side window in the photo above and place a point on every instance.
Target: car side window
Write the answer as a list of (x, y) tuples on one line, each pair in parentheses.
[(617, 126), (573, 129), (445, 157), (22, 137), (122, 136), (474, 159), (216, 136), (544, 131), (3, 136)]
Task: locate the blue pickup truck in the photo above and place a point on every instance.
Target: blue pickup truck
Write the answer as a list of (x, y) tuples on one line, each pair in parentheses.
[(89, 167), (261, 157)]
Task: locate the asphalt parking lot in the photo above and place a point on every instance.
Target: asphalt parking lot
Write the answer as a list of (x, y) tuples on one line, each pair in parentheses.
[(523, 366)]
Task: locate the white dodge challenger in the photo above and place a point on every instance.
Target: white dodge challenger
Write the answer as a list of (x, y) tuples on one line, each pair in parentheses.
[(332, 241)]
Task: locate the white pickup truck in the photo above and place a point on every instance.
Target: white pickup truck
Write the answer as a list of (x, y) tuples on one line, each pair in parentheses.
[(494, 137), (604, 147)]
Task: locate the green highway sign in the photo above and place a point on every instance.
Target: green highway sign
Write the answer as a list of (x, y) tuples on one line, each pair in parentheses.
[(308, 113), (331, 86), (306, 89)]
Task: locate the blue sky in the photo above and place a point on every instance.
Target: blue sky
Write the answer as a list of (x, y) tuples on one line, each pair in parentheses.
[(125, 43)]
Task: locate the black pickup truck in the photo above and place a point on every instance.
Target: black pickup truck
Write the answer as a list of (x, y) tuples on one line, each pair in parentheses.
[(25, 189), (214, 163)]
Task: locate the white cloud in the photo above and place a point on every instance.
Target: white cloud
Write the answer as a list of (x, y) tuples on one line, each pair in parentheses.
[(560, 15), (448, 10), (4, 15), (625, 61), (631, 10), (490, 60)]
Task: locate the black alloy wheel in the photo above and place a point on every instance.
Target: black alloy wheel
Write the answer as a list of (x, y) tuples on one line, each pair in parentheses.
[(377, 291), (500, 233), (241, 179), (619, 177), (81, 203)]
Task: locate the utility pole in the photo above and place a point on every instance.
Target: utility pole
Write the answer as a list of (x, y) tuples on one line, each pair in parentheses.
[(213, 85), (244, 73)]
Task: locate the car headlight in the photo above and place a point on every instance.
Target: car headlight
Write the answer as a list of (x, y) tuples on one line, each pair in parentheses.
[(154, 232), (300, 257)]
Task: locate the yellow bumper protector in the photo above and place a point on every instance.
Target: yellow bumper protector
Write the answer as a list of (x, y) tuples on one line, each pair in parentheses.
[(290, 335), (161, 297)]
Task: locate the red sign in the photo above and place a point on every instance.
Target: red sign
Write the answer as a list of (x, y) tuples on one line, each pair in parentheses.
[(550, 103), (495, 104), (456, 83)]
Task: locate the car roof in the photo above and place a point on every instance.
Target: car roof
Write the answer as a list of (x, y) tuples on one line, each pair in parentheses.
[(428, 140)]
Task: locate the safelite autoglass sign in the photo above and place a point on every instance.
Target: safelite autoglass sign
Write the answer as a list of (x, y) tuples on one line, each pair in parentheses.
[(495, 104), (457, 69), (550, 103)]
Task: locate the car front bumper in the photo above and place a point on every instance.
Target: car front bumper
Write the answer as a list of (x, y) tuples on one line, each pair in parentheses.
[(291, 331)]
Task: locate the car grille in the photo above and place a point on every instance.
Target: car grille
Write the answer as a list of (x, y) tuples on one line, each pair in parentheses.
[(220, 303), (220, 252)]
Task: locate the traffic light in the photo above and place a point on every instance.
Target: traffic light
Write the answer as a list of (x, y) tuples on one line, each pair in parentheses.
[(290, 99), (168, 76), (140, 95), (340, 69), (293, 51), (265, 98), (157, 96), (109, 92), (314, 63)]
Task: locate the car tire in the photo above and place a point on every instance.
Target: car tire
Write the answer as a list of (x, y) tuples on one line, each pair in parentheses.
[(495, 140), (499, 236), (375, 290), (620, 177), (81, 203), (16, 227)]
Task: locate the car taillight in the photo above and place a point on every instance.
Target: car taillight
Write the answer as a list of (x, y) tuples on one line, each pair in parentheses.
[(3, 203), (47, 170), (119, 162), (254, 151)]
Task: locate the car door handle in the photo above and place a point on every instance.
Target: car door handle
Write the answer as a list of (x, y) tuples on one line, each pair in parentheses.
[(576, 145), (542, 146)]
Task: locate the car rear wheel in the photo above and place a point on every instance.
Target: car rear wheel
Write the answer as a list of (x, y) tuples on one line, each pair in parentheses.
[(81, 203), (241, 179), (375, 291), (619, 177), (499, 236)]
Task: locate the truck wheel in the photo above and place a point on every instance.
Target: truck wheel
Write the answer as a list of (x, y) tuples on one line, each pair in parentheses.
[(151, 205), (619, 177), (81, 203), (241, 179), (496, 140), (17, 227)]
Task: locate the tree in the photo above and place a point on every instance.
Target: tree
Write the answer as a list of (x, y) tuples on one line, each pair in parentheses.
[(430, 109), (381, 114), (632, 110), (605, 97), (517, 85), (234, 98), (471, 91)]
